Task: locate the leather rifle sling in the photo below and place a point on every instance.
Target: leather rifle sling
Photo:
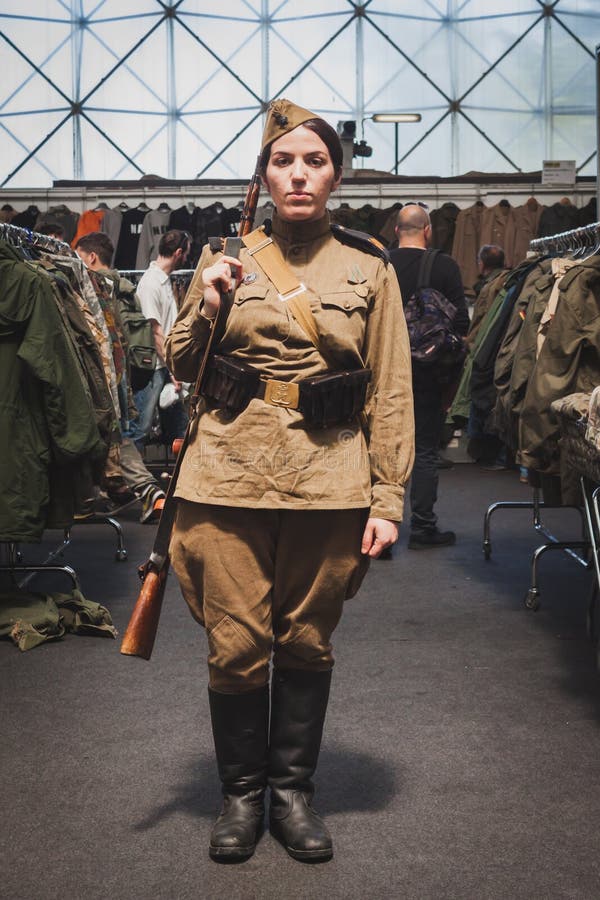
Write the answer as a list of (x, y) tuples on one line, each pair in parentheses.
[(270, 259), (160, 549)]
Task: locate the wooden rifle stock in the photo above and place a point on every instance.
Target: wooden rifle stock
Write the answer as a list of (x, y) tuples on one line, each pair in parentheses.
[(251, 202), (140, 635), (141, 631)]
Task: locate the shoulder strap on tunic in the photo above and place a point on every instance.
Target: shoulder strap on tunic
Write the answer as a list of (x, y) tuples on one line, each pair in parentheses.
[(361, 241)]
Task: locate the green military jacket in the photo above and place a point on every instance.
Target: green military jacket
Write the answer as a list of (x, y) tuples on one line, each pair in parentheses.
[(510, 370), (265, 457), (47, 422), (460, 409), (568, 362), (78, 321)]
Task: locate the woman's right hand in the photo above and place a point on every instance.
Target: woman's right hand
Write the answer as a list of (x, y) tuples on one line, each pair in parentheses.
[(224, 276)]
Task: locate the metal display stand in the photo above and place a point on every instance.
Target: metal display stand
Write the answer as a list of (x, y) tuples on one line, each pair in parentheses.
[(592, 513), (106, 518), (15, 565), (583, 457), (532, 597)]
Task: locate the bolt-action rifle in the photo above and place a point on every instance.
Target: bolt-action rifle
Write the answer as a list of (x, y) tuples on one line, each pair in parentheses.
[(139, 637)]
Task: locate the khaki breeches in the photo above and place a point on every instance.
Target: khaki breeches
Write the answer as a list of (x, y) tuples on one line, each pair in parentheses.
[(266, 583)]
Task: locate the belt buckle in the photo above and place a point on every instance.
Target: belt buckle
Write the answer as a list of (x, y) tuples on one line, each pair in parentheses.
[(282, 393)]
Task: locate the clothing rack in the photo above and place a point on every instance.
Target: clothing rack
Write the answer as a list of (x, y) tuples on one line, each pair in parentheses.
[(577, 243), (15, 564), (13, 234), (132, 273), (365, 186)]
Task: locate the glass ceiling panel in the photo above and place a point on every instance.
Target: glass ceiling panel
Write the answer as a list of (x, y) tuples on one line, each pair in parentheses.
[(179, 85)]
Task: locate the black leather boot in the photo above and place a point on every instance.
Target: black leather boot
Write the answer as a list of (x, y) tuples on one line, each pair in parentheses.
[(298, 707), (240, 727)]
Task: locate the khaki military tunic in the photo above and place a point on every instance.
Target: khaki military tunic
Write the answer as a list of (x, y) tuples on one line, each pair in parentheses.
[(265, 458)]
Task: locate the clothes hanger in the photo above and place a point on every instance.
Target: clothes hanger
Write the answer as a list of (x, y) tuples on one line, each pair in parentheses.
[(101, 205), (164, 207), (143, 206), (593, 232)]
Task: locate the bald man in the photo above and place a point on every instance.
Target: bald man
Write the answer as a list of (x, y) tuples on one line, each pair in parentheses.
[(413, 229)]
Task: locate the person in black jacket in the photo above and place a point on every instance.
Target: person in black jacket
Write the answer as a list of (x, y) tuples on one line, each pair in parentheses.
[(414, 237)]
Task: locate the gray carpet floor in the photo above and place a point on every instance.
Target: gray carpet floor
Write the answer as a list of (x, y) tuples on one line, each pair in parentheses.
[(461, 757)]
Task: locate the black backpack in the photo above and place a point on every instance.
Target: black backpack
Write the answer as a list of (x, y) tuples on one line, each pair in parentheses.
[(436, 348), (141, 351)]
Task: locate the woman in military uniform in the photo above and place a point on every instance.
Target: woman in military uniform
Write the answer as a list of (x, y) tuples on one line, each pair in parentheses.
[(294, 476)]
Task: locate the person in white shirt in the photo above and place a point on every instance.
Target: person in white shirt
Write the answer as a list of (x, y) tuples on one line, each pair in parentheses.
[(158, 305)]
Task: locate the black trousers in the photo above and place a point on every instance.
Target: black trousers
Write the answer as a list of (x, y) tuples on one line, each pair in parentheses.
[(429, 422)]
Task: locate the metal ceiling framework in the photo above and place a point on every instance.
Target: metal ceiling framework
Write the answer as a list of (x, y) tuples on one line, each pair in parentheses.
[(203, 79)]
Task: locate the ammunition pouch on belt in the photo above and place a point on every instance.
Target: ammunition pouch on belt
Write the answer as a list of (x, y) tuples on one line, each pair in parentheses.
[(334, 398), (230, 384), (324, 400)]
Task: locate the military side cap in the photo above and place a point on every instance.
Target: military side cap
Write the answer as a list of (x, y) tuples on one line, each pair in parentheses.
[(283, 116)]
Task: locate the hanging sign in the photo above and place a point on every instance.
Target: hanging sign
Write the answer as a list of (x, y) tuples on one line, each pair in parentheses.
[(559, 171)]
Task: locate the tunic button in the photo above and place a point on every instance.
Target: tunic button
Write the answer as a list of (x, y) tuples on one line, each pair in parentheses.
[(347, 305)]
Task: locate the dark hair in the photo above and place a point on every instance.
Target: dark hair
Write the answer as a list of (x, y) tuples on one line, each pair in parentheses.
[(327, 134), (492, 256), (52, 229), (99, 243), (173, 240)]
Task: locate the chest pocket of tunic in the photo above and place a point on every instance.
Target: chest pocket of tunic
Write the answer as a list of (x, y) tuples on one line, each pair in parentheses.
[(247, 292), (544, 283), (352, 300)]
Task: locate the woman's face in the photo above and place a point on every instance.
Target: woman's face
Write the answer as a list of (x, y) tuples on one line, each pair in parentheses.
[(300, 175)]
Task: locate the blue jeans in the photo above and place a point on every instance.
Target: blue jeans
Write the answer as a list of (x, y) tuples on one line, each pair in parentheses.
[(173, 419), (146, 402)]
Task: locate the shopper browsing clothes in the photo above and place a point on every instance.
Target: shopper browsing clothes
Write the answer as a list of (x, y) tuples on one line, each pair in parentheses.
[(492, 271), (414, 237), (288, 492), (96, 251), (158, 305)]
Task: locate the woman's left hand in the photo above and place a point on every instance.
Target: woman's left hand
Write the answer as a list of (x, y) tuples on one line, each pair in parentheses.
[(378, 534)]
